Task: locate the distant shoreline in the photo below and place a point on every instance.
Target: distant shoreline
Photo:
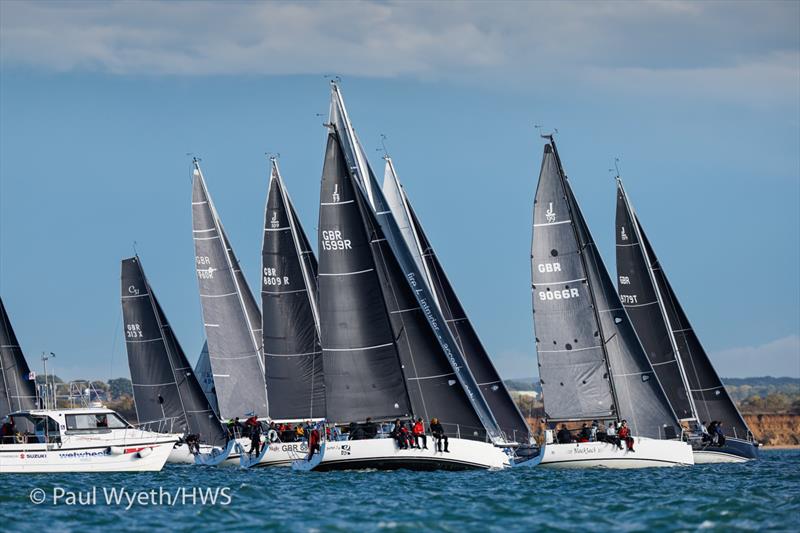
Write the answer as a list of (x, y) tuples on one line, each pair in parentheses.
[(782, 447)]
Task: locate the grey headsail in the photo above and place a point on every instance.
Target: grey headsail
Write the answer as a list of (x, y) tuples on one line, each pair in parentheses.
[(641, 300), (202, 369), (17, 390), (292, 350), (491, 385), (233, 346), (362, 370), (708, 394), (166, 392), (365, 180), (591, 363)]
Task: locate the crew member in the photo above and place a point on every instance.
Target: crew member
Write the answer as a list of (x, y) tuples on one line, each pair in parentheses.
[(438, 433)]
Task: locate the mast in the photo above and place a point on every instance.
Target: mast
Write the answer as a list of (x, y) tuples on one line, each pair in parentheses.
[(582, 245), (659, 298), (359, 168)]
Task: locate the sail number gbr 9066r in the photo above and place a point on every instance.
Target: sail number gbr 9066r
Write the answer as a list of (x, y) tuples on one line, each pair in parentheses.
[(332, 240), (559, 294)]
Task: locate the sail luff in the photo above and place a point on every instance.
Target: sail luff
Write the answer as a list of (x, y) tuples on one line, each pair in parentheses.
[(627, 254)]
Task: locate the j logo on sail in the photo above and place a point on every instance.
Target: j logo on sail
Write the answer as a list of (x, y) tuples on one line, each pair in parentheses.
[(550, 214), (274, 222), (335, 192)]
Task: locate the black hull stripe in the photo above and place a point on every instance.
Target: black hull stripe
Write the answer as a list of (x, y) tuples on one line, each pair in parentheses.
[(546, 463), (396, 463)]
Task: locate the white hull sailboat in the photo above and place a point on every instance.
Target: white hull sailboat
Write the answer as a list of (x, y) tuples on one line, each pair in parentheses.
[(383, 454), (82, 440), (648, 453), (591, 362)]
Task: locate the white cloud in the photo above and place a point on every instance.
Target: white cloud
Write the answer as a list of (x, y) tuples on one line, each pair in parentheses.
[(780, 357), (713, 48)]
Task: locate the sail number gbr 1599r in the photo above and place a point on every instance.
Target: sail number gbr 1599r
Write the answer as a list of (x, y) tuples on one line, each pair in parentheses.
[(332, 240)]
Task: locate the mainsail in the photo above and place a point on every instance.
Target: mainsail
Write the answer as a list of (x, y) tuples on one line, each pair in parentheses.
[(363, 377), (166, 392), (666, 334), (591, 364), (292, 350), (491, 385), (234, 345), (17, 390), (202, 369), (363, 176)]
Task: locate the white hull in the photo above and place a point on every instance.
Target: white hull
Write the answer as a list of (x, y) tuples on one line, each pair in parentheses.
[(649, 453), (133, 455), (181, 454), (709, 457), (383, 454), (275, 454)]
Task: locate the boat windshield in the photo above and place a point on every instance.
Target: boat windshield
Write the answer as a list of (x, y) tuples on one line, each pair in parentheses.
[(95, 421)]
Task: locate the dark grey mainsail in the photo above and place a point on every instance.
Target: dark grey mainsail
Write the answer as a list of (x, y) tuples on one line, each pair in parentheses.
[(202, 369), (363, 377), (17, 390), (166, 392), (639, 296), (591, 363), (233, 346), (365, 180), (709, 398), (292, 351), (491, 385)]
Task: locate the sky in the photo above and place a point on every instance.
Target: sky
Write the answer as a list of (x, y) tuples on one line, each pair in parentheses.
[(101, 102)]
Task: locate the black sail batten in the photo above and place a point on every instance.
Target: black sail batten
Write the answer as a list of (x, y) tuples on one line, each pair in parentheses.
[(365, 180), (505, 411), (167, 395), (710, 397), (591, 361), (642, 301), (363, 377), (292, 350), (17, 391), (234, 346)]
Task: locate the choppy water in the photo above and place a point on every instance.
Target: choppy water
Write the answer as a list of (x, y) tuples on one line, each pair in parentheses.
[(761, 495)]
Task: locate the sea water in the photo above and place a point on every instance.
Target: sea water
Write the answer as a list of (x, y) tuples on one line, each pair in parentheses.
[(759, 495)]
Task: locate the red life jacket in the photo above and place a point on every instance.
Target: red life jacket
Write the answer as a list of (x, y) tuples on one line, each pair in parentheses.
[(418, 428), (624, 432)]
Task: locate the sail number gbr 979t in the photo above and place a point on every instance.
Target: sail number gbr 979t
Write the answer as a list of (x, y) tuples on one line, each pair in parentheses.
[(559, 294)]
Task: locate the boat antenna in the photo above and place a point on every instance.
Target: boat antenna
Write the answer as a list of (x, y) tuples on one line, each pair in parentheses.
[(615, 170), (195, 160), (383, 147), (543, 135), (335, 78), (135, 252), (273, 156), (45, 358)]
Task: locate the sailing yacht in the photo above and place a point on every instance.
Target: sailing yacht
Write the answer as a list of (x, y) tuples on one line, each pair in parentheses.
[(693, 388), (167, 394), (591, 364)]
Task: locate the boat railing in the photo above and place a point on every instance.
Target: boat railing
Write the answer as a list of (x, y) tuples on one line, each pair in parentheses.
[(162, 425)]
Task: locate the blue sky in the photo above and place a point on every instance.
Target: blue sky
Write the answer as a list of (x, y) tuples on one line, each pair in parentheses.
[(99, 103)]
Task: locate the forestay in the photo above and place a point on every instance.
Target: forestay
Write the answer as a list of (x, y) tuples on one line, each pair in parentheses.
[(233, 344)]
